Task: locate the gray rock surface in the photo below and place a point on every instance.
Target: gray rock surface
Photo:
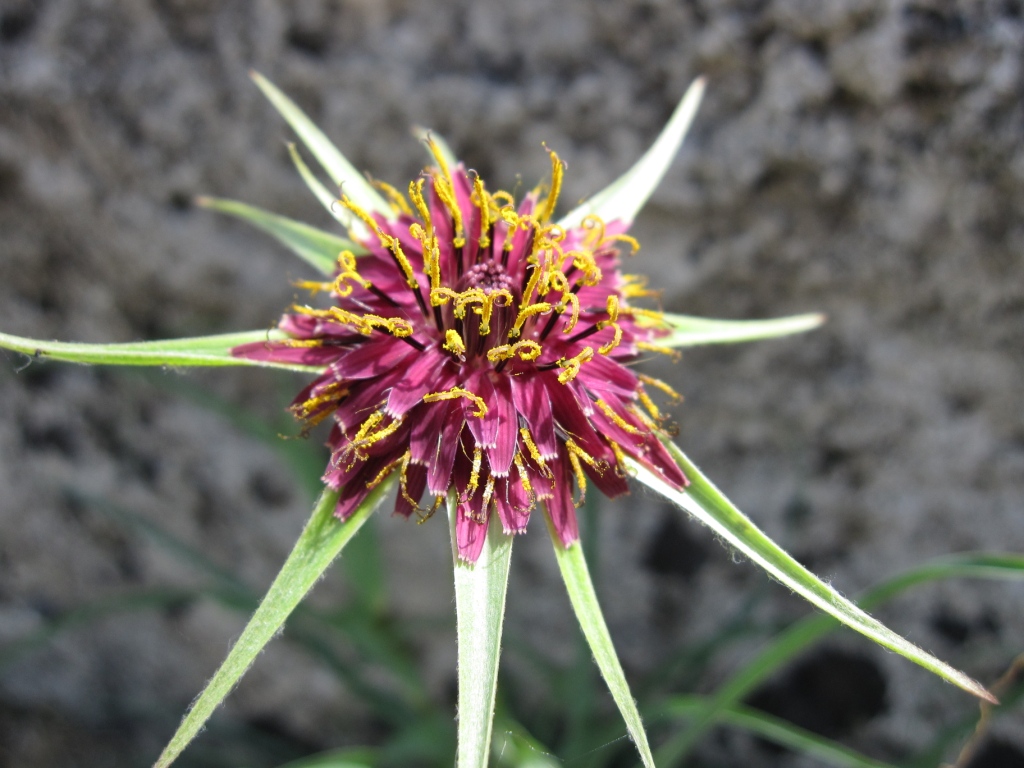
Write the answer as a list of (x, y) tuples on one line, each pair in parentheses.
[(862, 158)]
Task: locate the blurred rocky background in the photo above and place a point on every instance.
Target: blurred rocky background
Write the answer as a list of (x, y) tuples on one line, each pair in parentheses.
[(863, 158)]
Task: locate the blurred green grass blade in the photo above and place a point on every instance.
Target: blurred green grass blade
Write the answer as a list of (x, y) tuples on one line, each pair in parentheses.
[(689, 331), (336, 758), (83, 615), (328, 200), (320, 542), (788, 644), (316, 247), (624, 197), (573, 566), (341, 171), (200, 351), (777, 730), (443, 147), (480, 590)]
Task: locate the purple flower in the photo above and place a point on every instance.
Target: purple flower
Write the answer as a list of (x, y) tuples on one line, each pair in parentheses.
[(481, 349)]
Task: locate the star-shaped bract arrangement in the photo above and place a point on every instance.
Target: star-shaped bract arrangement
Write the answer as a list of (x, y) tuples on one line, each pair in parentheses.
[(478, 351)]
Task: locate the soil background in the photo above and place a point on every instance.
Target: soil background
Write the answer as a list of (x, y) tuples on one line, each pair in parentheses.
[(861, 158)]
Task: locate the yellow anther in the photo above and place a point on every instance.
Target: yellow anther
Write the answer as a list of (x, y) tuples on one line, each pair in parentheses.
[(536, 274), (547, 208), (627, 239), (440, 296), (534, 452), (416, 195), (365, 437), (474, 475), (403, 487), (571, 365), (314, 286), (604, 349), (347, 271), (506, 197), (661, 350), (490, 300), (635, 286), (454, 343), (621, 422), (574, 316), (387, 470), (524, 480), (659, 384), (456, 392), (621, 466), (575, 455), (387, 241), (395, 198), (445, 191), (525, 313), (526, 349), (649, 404), (584, 262), (482, 201), (646, 318)]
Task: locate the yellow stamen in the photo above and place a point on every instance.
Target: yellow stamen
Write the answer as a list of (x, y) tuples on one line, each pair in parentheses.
[(456, 392), (387, 241), (659, 384), (474, 475), (483, 202), (444, 188), (594, 225), (635, 286), (613, 316), (454, 343), (575, 454), (674, 354), (534, 452), (524, 480), (314, 286), (395, 198), (438, 501), (621, 422), (628, 239), (526, 349), (572, 365), (621, 466), (525, 313), (416, 195), (486, 501), (387, 470), (547, 208), (649, 404)]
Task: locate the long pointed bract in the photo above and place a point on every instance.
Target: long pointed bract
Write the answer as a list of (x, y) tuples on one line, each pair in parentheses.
[(689, 331), (623, 198), (706, 503), (317, 248), (320, 542), (480, 590), (578, 584), (199, 351), (341, 171)]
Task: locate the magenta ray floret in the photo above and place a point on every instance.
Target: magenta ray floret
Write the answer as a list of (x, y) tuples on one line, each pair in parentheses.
[(479, 348)]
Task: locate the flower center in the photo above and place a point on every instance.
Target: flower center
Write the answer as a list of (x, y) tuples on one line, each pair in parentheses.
[(488, 276)]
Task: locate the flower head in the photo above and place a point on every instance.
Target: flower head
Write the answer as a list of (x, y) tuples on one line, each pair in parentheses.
[(481, 349)]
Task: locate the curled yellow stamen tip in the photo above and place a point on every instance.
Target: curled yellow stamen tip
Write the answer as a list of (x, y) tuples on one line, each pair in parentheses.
[(527, 312), (661, 350), (627, 239), (571, 365), (574, 316), (526, 349), (594, 225), (454, 343), (616, 418), (456, 392)]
